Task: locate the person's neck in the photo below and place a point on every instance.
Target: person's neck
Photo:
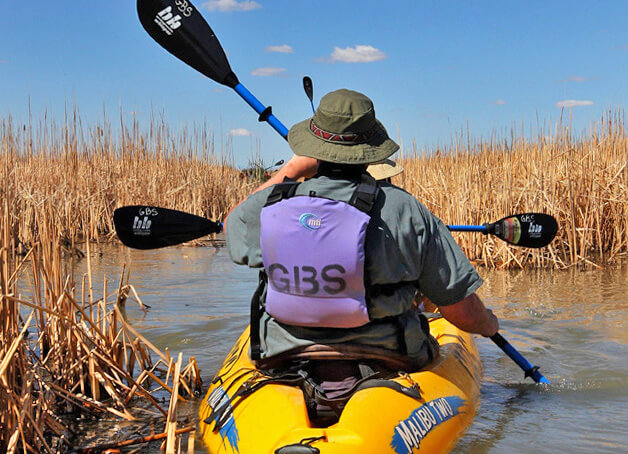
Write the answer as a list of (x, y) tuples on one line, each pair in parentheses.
[(335, 170)]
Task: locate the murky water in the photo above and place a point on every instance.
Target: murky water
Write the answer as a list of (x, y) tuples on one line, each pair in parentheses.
[(574, 324)]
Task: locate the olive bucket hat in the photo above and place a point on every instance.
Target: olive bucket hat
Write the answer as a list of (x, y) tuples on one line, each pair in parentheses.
[(343, 130)]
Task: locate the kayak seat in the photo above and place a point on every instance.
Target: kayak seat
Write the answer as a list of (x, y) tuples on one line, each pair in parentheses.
[(335, 372), (389, 359)]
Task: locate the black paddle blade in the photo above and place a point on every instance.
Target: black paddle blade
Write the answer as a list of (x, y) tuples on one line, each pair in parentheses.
[(146, 227), (180, 29), (309, 88), (532, 230)]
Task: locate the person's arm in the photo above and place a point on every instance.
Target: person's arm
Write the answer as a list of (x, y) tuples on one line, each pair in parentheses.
[(470, 315), (450, 281), (297, 167)]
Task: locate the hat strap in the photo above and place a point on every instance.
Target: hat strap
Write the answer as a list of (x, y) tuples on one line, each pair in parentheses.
[(348, 139)]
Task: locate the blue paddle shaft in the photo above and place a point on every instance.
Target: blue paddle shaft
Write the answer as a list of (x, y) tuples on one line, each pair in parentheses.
[(518, 358), (468, 228), (260, 108)]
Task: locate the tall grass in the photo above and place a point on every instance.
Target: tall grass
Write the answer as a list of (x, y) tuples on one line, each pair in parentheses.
[(85, 173), (581, 181)]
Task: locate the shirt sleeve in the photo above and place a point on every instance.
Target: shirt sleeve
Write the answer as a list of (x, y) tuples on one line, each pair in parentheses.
[(446, 276), (243, 230)]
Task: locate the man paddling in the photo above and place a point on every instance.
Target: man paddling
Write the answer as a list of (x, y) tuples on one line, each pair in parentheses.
[(344, 255)]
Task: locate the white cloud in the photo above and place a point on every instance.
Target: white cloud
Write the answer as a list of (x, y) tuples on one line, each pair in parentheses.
[(240, 132), (573, 103), (225, 6), (357, 54), (283, 49), (500, 102), (266, 72)]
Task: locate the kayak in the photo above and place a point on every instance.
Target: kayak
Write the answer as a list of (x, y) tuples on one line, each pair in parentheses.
[(274, 417)]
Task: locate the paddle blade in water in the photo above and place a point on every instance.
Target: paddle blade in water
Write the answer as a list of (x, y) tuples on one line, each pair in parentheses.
[(180, 29), (146, 227), (532, 230)]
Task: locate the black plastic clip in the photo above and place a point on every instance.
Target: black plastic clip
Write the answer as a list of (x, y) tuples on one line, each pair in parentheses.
[(531, 371), (267, 112)]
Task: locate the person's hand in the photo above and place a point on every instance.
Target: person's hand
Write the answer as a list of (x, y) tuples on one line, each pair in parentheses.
[(470, 315), (491, 326)]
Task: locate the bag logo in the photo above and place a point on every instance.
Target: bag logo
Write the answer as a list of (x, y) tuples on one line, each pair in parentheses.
[(310, 221), (167, 21)]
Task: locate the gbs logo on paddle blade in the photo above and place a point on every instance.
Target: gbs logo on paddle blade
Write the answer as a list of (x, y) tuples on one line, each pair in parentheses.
[(310, 221)]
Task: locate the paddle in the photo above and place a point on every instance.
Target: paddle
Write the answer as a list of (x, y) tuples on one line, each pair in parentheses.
[(309, 91), (180, 29), (147, 227)]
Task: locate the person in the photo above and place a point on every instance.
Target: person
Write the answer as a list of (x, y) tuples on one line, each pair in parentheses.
[(343, 255)]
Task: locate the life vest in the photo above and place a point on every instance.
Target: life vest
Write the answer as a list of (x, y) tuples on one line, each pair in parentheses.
[(313, 253)]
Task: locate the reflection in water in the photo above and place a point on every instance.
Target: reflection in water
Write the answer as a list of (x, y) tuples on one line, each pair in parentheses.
[(574, 324)]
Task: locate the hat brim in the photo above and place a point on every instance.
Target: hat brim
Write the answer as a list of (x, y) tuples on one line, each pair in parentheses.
[(385, 169), (305, 143)]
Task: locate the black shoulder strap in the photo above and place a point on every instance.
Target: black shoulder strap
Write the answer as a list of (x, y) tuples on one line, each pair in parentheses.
[(256, 315), (365, 194), (283, 190)]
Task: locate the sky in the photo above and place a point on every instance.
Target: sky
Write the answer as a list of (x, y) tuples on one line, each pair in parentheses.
[(432, 68)]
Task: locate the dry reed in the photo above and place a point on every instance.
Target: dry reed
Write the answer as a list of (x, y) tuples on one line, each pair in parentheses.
[(583, 182), (87, 172), (65, 353)]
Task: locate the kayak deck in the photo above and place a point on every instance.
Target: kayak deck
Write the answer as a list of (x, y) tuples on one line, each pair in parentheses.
[(375, 420)]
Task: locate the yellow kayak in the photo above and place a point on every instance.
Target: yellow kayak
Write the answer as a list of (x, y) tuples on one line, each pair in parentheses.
[(274, 418)]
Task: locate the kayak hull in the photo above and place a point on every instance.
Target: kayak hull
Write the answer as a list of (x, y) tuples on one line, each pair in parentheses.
[(375, 420)]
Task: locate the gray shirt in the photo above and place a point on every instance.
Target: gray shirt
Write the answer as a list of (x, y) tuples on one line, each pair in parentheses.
[(405, 243)]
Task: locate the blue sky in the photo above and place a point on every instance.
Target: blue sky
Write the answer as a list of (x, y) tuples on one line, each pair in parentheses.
[(431, 67)]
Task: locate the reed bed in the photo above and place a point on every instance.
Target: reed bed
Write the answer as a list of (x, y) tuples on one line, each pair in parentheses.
[(66, 354), (582, 181), (87, 172)]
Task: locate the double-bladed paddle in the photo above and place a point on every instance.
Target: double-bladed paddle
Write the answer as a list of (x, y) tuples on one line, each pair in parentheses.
[(148, 227)]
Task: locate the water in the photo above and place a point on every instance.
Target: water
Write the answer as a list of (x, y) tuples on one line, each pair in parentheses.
[(573, 324)]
